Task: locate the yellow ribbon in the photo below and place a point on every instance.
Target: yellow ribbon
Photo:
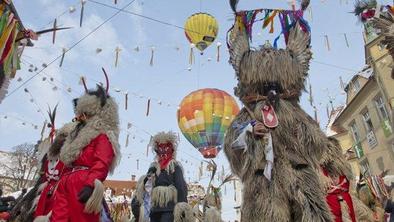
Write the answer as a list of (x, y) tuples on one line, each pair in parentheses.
[(270, 20)]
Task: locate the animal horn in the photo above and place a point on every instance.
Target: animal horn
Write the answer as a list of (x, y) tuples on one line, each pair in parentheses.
[(233, 4), (106, 80), (84, 84), (305, 4)]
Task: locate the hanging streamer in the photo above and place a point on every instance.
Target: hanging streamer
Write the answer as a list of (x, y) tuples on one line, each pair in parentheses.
[(191, 54), (328, 112), (138, 164), (83, 2), (346, 40), (341, 83), (117, 51), (126, 98), (148, 108), (315, 110), (218, 51), (310, 13), (152, 55), (116, 2), (269, 20), (54, 31), (43, 129), (127, 140), (64, 50), (327, 42), (235, 191)]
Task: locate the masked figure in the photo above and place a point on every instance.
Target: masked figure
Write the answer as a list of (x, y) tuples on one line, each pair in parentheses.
[(90, 153), (169, 186), (52, 171), (273, 145)]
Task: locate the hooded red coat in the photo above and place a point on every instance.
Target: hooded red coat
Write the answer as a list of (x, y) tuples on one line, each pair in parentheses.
[(93, 163)]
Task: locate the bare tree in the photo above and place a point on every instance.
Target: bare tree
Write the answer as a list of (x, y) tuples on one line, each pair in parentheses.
[(20, 168)]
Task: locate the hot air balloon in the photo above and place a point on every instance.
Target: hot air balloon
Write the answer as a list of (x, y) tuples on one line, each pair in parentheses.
[(204, 117), (201, 30)]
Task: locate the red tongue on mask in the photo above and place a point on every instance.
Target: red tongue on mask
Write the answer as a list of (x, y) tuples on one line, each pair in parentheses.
[(165, 153)]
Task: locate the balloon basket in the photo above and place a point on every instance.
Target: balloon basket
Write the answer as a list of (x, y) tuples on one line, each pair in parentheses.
[(209, 152)]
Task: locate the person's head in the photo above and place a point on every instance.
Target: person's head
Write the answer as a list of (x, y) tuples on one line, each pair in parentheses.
[(165, 144)]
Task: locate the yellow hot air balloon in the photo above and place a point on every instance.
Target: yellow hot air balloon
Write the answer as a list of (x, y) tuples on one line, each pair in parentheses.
[(201, 29)]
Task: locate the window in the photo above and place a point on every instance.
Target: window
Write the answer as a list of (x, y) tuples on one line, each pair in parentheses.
[(356, 85), (355, 132), (367, 122), (381, 108)]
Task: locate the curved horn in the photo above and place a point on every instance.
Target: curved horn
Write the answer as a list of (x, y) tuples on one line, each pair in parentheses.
[(106, 80), (84, 84), (305, 4), (238, 44), (233, 4), (299, 46)]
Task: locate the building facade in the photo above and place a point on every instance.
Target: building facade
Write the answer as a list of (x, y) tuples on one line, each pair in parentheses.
[(365, 123)]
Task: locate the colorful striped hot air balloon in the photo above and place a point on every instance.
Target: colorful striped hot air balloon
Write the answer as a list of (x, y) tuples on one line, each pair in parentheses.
[(204, 116), (201, 29)]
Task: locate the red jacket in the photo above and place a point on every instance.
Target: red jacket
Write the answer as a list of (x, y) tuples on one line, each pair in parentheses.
[(93, 163), (337, 193)]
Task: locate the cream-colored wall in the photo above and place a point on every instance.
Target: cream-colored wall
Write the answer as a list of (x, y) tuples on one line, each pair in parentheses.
[(354, 112), (346, 142)]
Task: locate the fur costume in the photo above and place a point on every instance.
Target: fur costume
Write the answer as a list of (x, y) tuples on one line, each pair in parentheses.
[(53, 170), (90, 153), (37, 202), (169, 186), (291, 191), (336, 176)]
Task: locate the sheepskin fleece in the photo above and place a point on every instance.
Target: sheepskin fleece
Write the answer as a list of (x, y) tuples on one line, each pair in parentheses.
[(104, 120), (183, 212), (212, 215), (162, 195), (295, 193)]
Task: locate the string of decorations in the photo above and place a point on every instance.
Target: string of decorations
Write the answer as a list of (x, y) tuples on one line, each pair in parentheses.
[(19, 119), (70, 48)]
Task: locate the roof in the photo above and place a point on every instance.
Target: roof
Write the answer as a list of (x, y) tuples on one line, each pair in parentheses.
[(354, 99), (121, 186), (331, 130), (366, 73)]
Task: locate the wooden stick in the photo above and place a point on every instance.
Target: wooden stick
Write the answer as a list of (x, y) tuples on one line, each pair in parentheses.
[(54, 31)]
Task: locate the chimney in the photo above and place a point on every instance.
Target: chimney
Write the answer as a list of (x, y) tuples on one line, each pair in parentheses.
[(133, 177)]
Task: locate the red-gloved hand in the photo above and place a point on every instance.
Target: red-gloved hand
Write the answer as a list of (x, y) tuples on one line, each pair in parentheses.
[(85, 194)]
